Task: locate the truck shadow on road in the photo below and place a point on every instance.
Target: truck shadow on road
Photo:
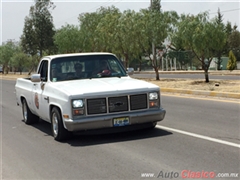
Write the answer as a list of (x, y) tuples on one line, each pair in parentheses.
[(96, 137), (113, 137)]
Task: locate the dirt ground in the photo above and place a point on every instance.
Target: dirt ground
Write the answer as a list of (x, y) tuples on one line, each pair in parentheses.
[(232, 86)]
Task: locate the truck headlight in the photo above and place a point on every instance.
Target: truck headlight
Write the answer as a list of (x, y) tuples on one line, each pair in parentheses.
[(78, 107), (77, 103), (153, 96), (153, 100)]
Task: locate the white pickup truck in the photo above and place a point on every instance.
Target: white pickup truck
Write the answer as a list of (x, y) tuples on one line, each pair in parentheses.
[(85, 91)]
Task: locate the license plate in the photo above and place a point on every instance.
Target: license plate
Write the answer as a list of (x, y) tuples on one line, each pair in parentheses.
[(123, 121)]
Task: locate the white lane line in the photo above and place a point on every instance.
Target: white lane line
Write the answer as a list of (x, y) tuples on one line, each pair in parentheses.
[(199, 136)]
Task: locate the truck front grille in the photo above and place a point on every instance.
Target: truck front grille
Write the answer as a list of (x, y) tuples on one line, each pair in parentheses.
[(116, 104), (138, 101), (96, 106)]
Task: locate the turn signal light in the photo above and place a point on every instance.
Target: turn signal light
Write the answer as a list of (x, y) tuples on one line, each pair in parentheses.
[(153, 104), (66, 116), (77, 112)]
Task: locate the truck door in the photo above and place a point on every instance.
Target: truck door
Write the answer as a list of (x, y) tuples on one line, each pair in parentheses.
[(39, 97)]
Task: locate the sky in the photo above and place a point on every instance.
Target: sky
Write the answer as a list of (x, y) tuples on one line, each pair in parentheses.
[(13, 13)]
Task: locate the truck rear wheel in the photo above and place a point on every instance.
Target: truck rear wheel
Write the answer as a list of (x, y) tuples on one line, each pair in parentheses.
[(28, 116), (58, 130)]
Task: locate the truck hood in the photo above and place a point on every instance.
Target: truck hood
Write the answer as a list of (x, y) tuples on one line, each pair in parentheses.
[(101, 86)]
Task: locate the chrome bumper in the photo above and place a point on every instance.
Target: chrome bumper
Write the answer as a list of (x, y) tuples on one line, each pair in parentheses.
[(106, 121)]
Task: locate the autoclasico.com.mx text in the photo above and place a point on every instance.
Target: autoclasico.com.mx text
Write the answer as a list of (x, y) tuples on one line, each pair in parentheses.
[(187, 174)]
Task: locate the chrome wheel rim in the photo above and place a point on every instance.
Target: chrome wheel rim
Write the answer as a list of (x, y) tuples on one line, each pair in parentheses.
[(55, 124)]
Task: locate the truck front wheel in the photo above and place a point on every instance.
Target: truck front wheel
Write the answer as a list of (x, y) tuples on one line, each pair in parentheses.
[(28, 116), (58, 130)]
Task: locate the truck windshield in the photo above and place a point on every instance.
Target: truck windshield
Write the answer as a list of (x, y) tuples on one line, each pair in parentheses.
[(83, 67)]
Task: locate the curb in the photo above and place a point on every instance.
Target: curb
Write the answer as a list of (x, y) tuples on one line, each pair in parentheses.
[(204, 93)]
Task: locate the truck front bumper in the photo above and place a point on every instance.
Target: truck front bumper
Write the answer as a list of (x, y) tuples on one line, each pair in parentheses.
[(106, 121)]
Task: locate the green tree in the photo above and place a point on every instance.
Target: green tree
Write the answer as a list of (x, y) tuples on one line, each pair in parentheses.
[(19, 61), (155, 28), (6, 53), (234, 43), (88, 29), (203, 37), (182, 57), (125, 33), (29, 38), (68, 39), (107, 29), (232, 62), (38, 29), (176, 48), (220, 51), (28, 42), (139, 40), (228, 28), (155, 5)]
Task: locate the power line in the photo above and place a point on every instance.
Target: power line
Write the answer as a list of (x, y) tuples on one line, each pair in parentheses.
[(226, 11)]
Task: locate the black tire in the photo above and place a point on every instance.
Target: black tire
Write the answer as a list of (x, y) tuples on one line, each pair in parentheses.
[(152, 125), (28, 116), (58, 130)]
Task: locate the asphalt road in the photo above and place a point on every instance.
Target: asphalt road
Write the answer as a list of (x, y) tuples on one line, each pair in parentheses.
[(197, 136), (188, 76)]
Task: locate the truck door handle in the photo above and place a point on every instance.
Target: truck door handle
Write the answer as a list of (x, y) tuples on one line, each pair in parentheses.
[(47, 98)]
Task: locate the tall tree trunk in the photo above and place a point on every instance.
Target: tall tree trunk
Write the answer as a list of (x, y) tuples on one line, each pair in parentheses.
[(206, 75), (140, 63), (157, 74), (205, 68)]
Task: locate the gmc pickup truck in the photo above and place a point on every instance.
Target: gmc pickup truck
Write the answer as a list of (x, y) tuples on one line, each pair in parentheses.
[(87, 91)]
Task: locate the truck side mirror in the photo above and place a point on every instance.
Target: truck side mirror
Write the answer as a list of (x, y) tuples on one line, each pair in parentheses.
[(35, 78), (130, 71)]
